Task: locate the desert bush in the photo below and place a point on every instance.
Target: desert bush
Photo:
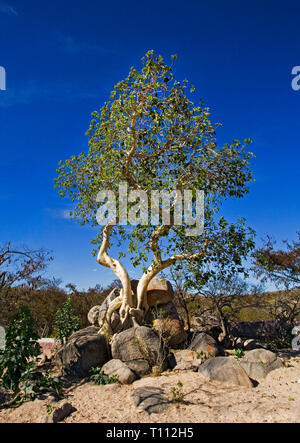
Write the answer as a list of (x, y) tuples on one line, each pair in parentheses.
[(177, 394), (20, 350), (66, 321), (99, 378), (18, 360), (238, 354), (32, 383)]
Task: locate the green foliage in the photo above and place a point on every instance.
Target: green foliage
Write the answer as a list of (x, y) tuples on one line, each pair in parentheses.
[(20, 348), (66, 321), (202, 355), (102, 379), (238, 354), (49, 409), (177, 394), (47, 381), (32, 383), (18, 361)]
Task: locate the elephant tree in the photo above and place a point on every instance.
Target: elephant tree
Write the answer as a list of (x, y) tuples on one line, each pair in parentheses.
[(148, 139)]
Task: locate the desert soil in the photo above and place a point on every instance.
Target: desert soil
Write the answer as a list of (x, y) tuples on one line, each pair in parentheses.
[(275, 399)]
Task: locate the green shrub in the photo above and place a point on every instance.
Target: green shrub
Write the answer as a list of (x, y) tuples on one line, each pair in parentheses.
[(32, 383), (238, 353), (102, 379), (66, 321), (177, 394), (18, 361), (20, 350)]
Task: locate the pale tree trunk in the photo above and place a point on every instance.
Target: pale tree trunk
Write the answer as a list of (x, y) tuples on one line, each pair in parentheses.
[(125, 300), (141, 292), (223, 322), (152, 271)]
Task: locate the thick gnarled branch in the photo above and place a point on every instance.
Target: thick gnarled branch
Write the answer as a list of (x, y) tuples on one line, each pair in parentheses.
[(105, 260)]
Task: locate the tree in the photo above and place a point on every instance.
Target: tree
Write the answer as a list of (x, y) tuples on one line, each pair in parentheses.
[(225, 297), (280, 266), (181, 297), (72, 288), (151, 137), (21, 264)]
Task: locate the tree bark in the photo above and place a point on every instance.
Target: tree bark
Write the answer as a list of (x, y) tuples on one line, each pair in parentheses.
[(126, 293)]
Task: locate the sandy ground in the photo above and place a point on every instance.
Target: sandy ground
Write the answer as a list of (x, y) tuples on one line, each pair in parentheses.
[(275, 399)]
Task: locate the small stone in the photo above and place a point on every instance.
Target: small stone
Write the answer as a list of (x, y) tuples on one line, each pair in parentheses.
[(60, 413), (225, 369), (259, 362), (120, 369), (150, 399), (205, 343)]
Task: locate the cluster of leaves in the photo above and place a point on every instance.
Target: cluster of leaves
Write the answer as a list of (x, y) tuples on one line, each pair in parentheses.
[(19, 359), (202, 355), (99, 378), (177, 394), (238, 354), (32, 383), (20, 347), (66, 321), (280, 341)]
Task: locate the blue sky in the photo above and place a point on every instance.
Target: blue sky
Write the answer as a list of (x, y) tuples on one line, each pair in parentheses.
[(62, 59)]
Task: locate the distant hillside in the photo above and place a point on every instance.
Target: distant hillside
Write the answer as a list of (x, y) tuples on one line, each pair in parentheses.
[(258, 307), (44, 303)]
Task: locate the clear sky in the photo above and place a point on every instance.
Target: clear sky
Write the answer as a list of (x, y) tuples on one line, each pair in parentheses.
[(62, 58)]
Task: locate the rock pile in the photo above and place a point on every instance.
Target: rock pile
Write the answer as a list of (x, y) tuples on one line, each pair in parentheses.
[(160, 343)]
